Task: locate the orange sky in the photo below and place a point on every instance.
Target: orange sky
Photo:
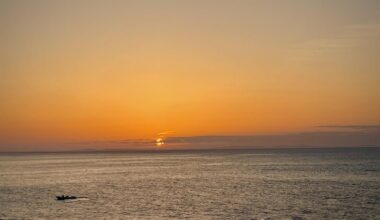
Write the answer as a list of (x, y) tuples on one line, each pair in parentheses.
[(109, 70)]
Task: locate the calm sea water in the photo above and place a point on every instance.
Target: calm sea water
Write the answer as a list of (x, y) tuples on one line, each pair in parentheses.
[(240, 184)]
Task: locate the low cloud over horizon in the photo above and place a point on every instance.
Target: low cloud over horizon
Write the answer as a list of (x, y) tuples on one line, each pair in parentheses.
[(329, 136)]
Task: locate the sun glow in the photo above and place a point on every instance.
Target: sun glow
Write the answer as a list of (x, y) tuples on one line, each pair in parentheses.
[(159, 142)]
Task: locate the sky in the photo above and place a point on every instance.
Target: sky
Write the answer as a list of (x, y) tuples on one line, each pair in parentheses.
[(79, 74)]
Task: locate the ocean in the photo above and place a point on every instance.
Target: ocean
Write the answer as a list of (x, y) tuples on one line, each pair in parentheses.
[(211, 184)]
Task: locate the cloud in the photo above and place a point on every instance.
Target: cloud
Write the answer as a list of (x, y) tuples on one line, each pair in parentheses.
[(115, 144), (357, 136), (343, 39), (329, 136), (165, 133), (354, 127)]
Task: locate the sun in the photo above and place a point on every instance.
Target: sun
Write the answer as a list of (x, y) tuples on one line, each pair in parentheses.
[(159, 142)]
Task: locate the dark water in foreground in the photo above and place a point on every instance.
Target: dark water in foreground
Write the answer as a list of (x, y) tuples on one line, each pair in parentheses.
[(240, 184)]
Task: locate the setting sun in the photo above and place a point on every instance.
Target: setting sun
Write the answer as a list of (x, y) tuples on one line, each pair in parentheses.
[(159, 142)]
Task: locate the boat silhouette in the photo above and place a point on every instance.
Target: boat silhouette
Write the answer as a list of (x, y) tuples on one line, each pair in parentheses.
[(63, 197)]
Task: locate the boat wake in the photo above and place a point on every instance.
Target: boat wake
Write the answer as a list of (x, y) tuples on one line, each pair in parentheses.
[(76, 200)]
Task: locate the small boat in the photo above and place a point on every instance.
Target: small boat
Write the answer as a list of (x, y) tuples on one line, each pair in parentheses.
[(63, 197)]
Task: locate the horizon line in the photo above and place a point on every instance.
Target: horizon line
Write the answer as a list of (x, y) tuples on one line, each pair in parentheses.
[(158, 150)]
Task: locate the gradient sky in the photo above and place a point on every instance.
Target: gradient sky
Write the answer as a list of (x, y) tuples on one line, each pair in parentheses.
[(76, 71)]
